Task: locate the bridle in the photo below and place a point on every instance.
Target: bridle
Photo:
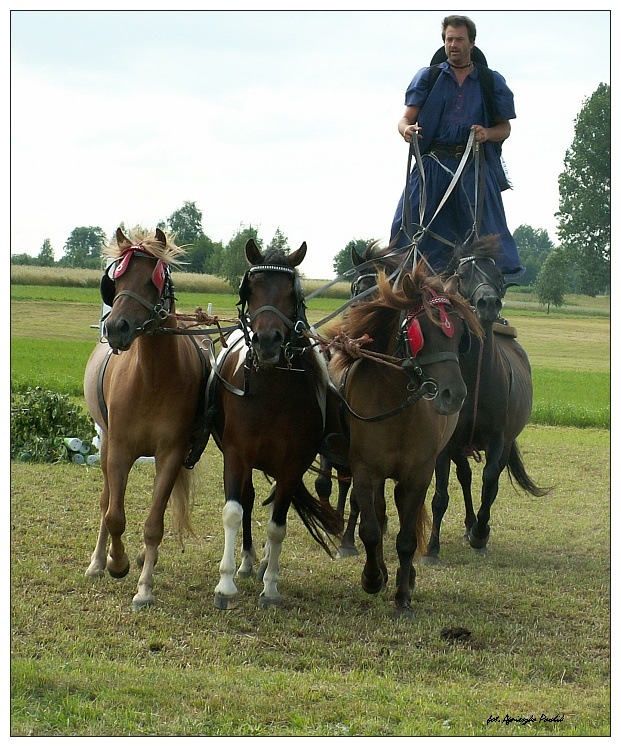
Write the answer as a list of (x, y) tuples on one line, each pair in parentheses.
[(411, 343), (295, 341), (499, 287), (161, 278)]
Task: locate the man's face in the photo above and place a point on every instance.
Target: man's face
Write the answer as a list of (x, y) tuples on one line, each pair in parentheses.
[(457, 45)]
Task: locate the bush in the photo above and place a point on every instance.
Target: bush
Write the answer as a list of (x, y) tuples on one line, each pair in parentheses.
[(40, 420)]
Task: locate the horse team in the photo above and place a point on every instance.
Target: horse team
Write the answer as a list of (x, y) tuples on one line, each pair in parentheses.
[(415, 377)]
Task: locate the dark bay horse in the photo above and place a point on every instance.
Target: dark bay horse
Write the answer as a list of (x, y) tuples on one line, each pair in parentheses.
[(146, 398), (269, 415), (399, 417), (498, 406)]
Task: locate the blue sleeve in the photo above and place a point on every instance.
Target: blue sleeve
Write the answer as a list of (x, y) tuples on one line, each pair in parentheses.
[(417, 91), (503, 98)]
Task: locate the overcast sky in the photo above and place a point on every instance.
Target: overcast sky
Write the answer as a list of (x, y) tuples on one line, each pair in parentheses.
[(267, 118)]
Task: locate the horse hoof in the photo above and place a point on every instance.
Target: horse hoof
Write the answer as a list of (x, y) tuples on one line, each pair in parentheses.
[(139, 604), (95, 572), (245, 573), (403, 613), (482, 552), (373, 587), (118, 574), (270, 601), (222, 602), (476, 542), (347, 551), (432, 560)]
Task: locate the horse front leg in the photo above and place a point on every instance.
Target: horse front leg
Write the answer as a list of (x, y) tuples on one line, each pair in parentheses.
[(464, 477), (248, 554), (409, 499), (269, 568), (439, 504), (235, 476), (166, 474), (495, 462), (370, 532), (97, 566), (117, 466)]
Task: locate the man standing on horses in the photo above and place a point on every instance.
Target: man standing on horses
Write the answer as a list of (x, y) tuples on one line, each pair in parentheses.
[(445, 104)]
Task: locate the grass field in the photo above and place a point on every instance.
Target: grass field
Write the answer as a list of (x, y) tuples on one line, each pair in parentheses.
[(330, 662), (52, 337)]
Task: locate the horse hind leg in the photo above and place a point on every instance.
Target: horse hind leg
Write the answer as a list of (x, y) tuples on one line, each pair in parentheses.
[(97, 566)]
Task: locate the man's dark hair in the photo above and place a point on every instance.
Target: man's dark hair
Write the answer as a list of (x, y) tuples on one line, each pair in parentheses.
[(456, 22)]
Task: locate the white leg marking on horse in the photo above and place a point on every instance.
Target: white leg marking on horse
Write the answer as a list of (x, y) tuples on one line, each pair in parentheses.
[(231, 519), (99, 556), (273, 547), (246, 567)]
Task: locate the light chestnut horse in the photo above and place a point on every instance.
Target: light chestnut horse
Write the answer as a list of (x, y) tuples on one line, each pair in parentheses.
[(399, 417), (144, 387)]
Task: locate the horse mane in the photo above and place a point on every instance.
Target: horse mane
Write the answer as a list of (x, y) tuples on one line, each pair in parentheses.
[(378, 317), (171, 253), (485, 247)]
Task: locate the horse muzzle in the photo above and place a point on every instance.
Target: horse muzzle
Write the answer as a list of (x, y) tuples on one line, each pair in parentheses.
[(488, 306), (120, 333), (450, 398), (267, 347)]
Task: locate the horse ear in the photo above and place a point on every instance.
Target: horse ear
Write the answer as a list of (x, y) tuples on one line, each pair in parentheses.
[(407, 283), (356, 259), (294, 259), (160, 236), (253, 253), (122, 241), (452, 285)]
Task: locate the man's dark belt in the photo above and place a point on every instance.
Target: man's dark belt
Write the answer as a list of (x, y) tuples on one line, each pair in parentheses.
[(441, 150)]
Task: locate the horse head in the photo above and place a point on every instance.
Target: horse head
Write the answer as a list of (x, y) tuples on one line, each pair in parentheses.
[(432, 326), (367, 265), (478, 278), (137, 285), (271, 301)]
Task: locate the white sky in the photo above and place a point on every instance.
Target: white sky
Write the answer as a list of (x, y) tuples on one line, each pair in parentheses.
[(267, 118)]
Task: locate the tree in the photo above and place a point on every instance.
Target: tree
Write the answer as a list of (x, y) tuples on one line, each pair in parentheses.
[(550, 285), (200, 256), (584, 186), (280, 242), (46, 255), (83, 247), (535, 245), (342, 261), (234, 263), (186, 224)]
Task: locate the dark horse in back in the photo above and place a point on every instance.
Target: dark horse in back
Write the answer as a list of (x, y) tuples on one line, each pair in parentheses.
[(498, 406), (269, 415)]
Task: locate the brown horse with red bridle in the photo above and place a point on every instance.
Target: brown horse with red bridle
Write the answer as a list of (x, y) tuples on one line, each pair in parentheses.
[(144, 386), (399, 415)]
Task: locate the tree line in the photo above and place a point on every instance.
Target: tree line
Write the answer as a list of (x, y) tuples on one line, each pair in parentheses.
[(579, 264)]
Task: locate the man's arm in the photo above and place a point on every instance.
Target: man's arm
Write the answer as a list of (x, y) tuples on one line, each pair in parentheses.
[(407, 124), (496, 134)]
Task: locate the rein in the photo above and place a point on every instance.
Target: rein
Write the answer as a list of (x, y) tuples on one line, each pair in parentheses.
[(422, 387)]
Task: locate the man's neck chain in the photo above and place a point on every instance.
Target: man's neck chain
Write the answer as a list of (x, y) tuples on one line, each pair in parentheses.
[(460, 67)]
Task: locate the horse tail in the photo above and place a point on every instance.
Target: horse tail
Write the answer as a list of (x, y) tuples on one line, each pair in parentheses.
[(181, 501), (517, 472), (318, 516), (422, 529)]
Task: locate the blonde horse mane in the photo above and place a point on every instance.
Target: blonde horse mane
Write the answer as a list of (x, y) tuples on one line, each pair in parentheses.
[(168, 252)]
